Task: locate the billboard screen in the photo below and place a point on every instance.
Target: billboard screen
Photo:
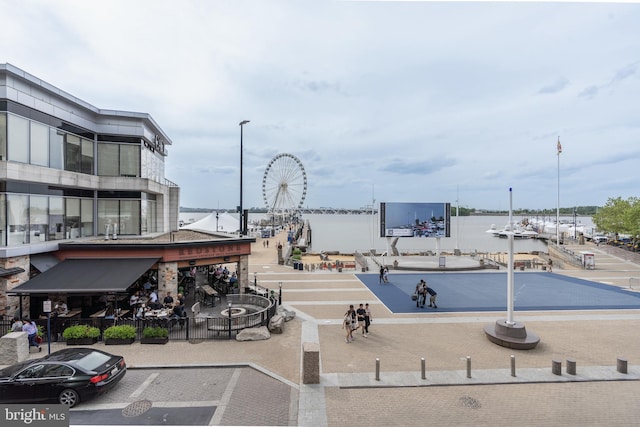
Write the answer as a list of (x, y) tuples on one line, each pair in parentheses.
[(415, 219)]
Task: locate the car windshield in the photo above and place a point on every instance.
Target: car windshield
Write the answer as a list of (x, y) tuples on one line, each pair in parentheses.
[(92, 361)]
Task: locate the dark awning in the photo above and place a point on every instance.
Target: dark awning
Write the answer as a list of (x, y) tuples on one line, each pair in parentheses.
[(4, 272), (87, 276), (43, 262)]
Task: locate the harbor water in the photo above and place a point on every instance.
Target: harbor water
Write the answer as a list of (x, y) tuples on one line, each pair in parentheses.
[(349, 233)]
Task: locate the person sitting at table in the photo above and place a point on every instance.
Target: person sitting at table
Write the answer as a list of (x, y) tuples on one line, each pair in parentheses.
[(153, 296), (134, 300), (168, 300), (140, 311), (61, 308)]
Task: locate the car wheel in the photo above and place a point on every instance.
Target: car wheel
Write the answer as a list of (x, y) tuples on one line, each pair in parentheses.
[(69, 397)]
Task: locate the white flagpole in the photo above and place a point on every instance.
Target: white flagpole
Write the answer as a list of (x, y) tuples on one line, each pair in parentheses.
[(558, 202), (510, 268)]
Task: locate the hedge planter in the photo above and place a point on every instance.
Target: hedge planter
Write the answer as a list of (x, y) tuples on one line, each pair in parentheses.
[(154, 335), (81, 335), (155, 340), (82, 341), (119, 341), (119, 335)]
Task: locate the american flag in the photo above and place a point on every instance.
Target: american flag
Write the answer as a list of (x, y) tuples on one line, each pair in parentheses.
[(559, 146)]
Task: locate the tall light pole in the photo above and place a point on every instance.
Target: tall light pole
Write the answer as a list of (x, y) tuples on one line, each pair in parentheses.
[(242, 123)]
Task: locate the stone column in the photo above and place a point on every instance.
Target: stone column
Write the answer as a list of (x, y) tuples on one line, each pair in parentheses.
[(243, 272), (167, 278), (11, 304)]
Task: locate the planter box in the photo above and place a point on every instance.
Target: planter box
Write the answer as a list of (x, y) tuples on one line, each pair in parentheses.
[(82, 341), (119, 341), (154, 340)]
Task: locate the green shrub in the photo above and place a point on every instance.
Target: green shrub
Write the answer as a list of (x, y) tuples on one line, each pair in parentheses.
[(297, 257), (157, 332), (80, 331), (120, 332), (296, 251)]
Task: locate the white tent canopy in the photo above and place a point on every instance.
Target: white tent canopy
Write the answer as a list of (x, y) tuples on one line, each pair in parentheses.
[(226, 223)]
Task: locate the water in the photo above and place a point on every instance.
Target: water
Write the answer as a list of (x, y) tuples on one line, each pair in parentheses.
[(350, 233)]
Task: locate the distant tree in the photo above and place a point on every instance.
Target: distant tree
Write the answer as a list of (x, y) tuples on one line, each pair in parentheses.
[(619, 216)]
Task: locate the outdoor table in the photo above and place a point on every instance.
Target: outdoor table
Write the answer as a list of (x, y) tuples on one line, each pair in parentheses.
[(209, 292)]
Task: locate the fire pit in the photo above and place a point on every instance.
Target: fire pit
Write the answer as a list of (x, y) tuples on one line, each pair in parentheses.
[(235, 311)]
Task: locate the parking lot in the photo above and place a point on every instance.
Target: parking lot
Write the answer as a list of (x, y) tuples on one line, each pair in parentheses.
[(190, 396)]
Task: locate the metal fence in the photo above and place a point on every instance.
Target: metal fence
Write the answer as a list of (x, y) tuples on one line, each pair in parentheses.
[(195, 328)]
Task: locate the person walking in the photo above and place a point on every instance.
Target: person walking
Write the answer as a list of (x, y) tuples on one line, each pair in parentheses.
[(381, 278), (385, 275), (367, 318), (346, 325), (30, 327), (354, 323), (360, 312), (16, 326), (432, 296)]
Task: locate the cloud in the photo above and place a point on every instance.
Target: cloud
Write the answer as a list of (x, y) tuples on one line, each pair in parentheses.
[(425, 167), (554, 87)]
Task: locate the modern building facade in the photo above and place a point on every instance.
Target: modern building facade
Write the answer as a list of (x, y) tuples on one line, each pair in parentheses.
[(71, 171)]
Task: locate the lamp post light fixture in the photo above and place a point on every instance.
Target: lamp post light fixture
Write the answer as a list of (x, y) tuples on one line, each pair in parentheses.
[(229, 312), (241, 216)]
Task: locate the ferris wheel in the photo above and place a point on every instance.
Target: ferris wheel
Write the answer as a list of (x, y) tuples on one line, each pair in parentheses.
[(284, 185)]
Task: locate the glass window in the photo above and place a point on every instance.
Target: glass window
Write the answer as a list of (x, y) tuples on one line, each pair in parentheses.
[(72, 218), (148, 217), (56, 219), (38, 224), (71, 153), (129, 160), (107, 216), (129, 217), (3, 136), (87, 156), (39, 144), (56, 149), (55, 371), (18, 139), (17, 210), (86, 217), (108, 160)]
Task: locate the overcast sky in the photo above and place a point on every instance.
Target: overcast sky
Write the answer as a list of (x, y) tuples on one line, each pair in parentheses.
[(404, 101)]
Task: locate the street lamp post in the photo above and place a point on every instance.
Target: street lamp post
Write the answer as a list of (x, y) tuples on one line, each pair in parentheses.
[(241, 216), (229, 311), (216, 221), (280, 293), (255, 283)]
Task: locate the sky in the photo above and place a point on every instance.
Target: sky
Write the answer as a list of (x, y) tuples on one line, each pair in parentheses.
[(394, 101)]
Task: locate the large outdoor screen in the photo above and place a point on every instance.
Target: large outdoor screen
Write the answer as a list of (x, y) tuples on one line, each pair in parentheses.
[(415, 219)]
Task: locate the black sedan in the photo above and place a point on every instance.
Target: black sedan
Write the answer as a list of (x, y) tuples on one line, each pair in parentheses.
[(67, 376)]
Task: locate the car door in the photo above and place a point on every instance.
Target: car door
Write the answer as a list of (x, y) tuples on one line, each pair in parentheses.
[(55, 378), (26, 384)]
